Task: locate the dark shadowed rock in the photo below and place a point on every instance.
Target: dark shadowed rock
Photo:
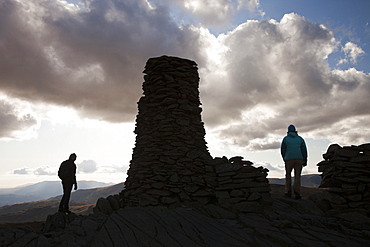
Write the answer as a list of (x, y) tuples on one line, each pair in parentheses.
[(103, 206), (58, 221)]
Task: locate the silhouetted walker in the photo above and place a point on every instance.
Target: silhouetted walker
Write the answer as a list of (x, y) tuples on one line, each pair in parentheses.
[(294, 153), (67, 173)]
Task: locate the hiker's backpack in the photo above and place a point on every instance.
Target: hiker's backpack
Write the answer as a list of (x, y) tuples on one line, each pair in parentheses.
[(63, 170)]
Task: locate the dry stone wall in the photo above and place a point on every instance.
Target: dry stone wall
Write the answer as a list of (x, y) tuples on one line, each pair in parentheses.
[(171, 164), (240, 186), (346, 175)]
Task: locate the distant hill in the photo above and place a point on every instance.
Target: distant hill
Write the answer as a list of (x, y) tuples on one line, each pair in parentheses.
[(309, 180), (39, 210), (11, 199), (92, 195), (41, 191)]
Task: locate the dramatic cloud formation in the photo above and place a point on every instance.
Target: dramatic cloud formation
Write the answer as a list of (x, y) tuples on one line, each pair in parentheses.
[(276, 73), (217, 12), (89, 58), (255, 80), (16, 119)]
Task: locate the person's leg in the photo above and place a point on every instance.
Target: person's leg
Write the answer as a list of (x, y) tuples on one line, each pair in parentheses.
[(64, 203), (298, 165), (67, 194), (288, 177)]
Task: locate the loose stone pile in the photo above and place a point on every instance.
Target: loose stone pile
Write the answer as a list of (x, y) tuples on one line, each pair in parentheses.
[(346, 174), (171, 165), (240, 186)]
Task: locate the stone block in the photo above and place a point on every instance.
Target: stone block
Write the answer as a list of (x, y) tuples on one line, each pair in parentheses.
[(185, 180), (191, 188), (159, 192), (354, 198), (335, 198), (254, 196), (361, 159), (174, 178), (346, 152), (184, 197), (170, 200), (227, 168), (237, 193), (222, 194), (202, 193), (158, 185)]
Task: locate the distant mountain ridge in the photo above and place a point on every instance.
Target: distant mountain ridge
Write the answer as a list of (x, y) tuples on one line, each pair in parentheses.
[(41, 191), (308, 180), (53, 189), (82, 202), (92, 195)]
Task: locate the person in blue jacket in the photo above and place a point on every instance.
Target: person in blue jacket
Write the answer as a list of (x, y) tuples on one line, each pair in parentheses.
[(294, 153)]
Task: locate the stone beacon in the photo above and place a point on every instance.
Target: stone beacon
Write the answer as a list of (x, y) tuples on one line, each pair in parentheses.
[(170, 156), (171, 165)]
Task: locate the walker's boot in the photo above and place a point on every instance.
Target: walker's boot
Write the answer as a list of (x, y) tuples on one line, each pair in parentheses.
[(288, 194)]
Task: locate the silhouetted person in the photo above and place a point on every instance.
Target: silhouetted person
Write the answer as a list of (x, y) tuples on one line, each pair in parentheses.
[(294, 153), (67, 173)]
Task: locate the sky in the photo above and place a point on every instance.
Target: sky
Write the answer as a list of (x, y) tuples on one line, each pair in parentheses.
[(71, 76)]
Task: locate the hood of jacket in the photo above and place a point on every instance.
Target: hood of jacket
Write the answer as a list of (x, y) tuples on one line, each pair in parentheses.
[(292, 134)]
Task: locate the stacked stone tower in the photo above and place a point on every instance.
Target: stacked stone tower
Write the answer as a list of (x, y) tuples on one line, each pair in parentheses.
[(170, 156)]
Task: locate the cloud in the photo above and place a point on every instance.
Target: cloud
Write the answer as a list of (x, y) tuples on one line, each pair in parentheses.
[(87, 166), (253, 6), (45, 171), (272, 168), (352, 51), (255, 80), (276, 73), (112, 169), (88, 58), (216, 13), (21, 171), (39, 171), (17, 120)]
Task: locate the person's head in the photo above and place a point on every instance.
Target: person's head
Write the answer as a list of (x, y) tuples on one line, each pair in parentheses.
[(73, 157), (291, 128)]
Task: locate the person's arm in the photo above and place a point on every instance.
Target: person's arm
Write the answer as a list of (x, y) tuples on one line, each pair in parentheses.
[(304, 152), (74, 176), (283, 148)]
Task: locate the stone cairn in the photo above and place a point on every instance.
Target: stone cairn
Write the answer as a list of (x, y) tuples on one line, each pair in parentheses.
[(346, 175), (171, 165)]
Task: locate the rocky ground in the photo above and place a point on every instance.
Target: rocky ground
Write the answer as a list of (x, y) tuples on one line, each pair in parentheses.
[(287, 222)]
